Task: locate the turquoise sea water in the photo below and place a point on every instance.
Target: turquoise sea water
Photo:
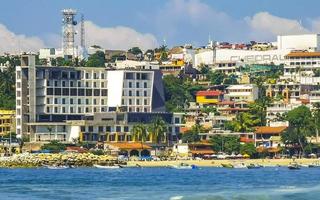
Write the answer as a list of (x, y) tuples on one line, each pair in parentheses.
[(160, 183)]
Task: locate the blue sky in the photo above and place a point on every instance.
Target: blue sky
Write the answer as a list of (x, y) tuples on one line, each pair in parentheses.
[(37, 23)]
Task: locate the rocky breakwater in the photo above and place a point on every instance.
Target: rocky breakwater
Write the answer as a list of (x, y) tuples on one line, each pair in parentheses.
[(60, 159)]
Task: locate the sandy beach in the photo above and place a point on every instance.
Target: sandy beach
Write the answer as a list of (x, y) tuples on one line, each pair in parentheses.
[(217, 163)]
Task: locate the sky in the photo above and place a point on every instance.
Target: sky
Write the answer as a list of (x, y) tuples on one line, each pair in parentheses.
[(27, 25)]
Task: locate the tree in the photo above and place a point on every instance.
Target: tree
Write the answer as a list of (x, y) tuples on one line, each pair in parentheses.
[(50, 129), (301, 125), (96, 60), (248, 148), (244, 122), (216, 77), (139, 133), (54, 146), (158, 130), (135, 51), (228, 144), (192, 135), (259, 109), (230, 80)]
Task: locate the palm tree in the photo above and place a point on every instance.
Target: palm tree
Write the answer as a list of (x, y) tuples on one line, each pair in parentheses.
[(139, 133), (158, 130), (50, 129)]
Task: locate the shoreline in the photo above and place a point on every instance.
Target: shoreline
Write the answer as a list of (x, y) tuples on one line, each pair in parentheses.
[(218, 163), (88, 160)]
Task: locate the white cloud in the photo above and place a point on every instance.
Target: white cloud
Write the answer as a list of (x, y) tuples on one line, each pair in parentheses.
[(265, 25), (14, 43), (196, 20), (119, 37)]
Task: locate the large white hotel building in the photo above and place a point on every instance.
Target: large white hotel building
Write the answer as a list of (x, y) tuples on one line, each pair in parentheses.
[(60, 103)]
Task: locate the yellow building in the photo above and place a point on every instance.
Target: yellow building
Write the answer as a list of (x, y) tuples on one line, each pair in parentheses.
[(208, 97), (7, 121)]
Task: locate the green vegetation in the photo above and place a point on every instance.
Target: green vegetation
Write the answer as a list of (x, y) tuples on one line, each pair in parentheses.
[(244, 122), (178, 92), (7, 82), (158, 130), (228, 144), (96, 60), (192, 135), (54, 146), (301, 125), (248, 148)]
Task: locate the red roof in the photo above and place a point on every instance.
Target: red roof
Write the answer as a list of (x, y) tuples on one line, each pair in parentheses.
[(209, 93), (270, 130), (246, 140)]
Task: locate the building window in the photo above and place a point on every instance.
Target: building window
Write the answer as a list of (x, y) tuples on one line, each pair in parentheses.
[(138, 102), (100, 128), (137, 93), (90, 128), (130, 93), (145, 85), (126, 129), (118, 129), (177, 120), (130, 102), (130, 85), (137, 84), (56, 101), (71, 101), (145, 93), (145, 102), (108, 128), (63, 101), (79, 101)]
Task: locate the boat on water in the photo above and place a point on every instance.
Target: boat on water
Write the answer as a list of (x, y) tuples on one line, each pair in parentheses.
[(240, 166), (294, 166), (314, 165), (227, 165), (183, 166), (254, 166), (107, 166), (58, 167)]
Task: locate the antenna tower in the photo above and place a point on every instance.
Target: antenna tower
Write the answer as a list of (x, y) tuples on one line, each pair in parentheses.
[(68, 31)]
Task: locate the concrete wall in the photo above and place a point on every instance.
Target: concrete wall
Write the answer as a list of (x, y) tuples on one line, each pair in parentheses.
[(301, 42)]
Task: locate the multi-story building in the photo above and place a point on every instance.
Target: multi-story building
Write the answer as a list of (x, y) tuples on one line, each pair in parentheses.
[(7, 121), (209, 97), (247, 92), (301, 64), (49, 97)]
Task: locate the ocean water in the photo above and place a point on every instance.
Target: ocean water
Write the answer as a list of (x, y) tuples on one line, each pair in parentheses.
[(160, 183)]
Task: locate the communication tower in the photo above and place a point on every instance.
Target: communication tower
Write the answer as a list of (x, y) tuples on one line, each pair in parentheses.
[(68, 31)]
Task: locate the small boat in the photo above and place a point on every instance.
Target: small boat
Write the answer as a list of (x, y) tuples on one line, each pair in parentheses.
[(240, 166), (294, 166), (183, 166), (58, 167), (254, 166), (107, 166), (227, 165), (314, 165)]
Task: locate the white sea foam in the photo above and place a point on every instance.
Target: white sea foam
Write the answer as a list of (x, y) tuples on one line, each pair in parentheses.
[(176, 198)]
